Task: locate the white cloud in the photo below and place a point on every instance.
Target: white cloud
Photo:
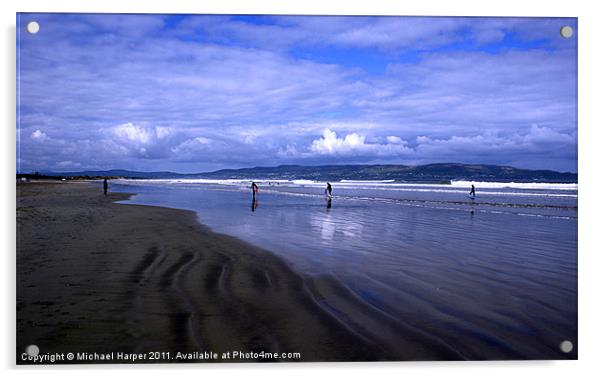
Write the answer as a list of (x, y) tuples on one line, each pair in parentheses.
[(39, 136), (162, 132), (329, 144), (545, 135), (141, 140), (141, 135), (421, 139), (134, 133), (191, 145), (537, 139), (394, 140), (355, 144)]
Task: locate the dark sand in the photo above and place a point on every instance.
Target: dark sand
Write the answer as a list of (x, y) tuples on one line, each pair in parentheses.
[(95, 276)]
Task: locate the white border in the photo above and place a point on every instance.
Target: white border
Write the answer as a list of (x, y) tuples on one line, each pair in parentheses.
[(590, 66)]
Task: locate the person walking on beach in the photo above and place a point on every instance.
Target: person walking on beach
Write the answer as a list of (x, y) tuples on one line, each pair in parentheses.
[(472, 193), (105, 186), (328, 190), (254, 188)]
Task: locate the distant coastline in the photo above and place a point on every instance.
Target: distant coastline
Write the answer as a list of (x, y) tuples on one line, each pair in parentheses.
[(435, 173)]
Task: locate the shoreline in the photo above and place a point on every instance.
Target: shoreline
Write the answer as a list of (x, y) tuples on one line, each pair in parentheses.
[(98, 277)]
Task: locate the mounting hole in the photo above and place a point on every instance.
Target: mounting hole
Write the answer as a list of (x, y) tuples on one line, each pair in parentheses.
[(566, 32), (32, 350), (566, 346), (33, 27)]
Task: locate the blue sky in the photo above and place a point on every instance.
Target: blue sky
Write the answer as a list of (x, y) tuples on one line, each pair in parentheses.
[(199, 93)]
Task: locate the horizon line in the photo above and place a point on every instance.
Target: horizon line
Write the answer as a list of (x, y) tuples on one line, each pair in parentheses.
[(296, 165)]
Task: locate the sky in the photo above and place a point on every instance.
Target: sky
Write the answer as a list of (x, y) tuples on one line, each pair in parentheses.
[(195, 93)]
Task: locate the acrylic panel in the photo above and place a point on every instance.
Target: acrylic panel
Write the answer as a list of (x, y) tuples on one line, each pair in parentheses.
[(237, 188)]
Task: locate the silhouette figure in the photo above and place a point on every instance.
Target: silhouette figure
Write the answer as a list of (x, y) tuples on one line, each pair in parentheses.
[(328, 190), (254, 189), (105, 186), (472, 192), (328, 204)]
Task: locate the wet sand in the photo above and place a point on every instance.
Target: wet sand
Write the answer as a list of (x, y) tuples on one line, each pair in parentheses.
[(95, 276)]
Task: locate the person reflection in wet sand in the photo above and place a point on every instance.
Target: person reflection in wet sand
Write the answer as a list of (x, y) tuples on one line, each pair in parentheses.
[(254, 204), (328, 203)]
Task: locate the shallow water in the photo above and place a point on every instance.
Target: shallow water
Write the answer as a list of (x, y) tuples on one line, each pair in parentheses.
[(494, 277)]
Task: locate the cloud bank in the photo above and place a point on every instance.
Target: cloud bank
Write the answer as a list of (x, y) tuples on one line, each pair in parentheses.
[(196, 93)]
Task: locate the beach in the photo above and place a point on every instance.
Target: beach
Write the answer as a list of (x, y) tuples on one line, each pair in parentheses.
[(393, 272), (98, 277)]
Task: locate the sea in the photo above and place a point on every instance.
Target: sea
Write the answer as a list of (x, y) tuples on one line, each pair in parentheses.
[(492, 276)]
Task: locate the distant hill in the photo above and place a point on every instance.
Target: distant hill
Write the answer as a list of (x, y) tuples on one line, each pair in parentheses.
[(122, 173), (429, 172)]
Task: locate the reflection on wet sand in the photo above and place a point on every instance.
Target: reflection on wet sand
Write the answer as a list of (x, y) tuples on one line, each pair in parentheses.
[(333, 228), (476, 280)]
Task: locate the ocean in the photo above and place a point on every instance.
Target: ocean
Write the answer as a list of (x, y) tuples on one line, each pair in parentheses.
[(489, 277)]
